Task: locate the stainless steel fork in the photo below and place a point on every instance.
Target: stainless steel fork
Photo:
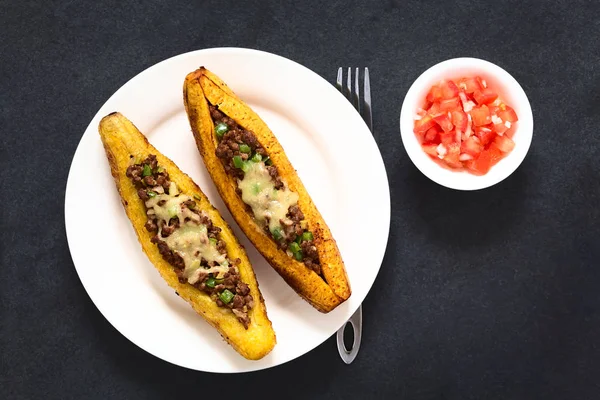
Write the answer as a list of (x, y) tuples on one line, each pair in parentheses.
[(364, 108)]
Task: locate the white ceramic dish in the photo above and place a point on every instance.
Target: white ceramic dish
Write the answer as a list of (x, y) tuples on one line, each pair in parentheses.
[(508, 89), (317, 127)]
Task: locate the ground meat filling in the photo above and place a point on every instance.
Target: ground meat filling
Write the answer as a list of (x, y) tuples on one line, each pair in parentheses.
[(227, 149), (149, 178)]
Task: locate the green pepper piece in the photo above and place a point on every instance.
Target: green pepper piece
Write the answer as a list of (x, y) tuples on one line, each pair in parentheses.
[(226, 296), (159, 169), (211, 282), (246, 166), (268, 161), (221, 129), (298, 239), (298, 256), (276, 232), (307, 236), (151, 193), (213, 241), (244, 148), (295, 247), (147, 170), (238, 162), (256, 158), (197, 197)]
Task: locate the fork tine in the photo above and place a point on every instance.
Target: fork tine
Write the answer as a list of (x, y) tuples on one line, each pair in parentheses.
[(356, 91), (368, 112), (349, 85), (338, 82), (364, 107)]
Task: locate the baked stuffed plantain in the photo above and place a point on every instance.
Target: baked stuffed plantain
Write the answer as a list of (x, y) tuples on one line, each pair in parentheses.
[(186, 239), (263, 191)]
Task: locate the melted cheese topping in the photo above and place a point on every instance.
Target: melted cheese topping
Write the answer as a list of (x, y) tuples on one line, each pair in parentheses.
[(258, 191), (190, 241)]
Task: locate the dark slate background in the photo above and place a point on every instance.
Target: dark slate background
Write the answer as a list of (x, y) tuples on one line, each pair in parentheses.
[(484, 295)]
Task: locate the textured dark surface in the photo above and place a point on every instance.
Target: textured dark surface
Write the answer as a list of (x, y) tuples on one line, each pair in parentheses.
[(492, 294)]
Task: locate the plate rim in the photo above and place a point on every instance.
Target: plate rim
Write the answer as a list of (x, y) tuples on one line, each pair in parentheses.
[(215, 50)]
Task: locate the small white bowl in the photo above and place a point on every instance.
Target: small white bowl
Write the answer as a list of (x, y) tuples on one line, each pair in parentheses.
[(508, 90)]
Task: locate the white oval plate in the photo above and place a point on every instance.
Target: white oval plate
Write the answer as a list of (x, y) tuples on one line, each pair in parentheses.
[(327, 142)]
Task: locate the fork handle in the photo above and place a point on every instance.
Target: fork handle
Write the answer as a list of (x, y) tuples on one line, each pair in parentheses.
[(356, 322)]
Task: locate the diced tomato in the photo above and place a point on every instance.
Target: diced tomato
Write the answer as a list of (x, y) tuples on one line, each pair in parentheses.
[(435, 94), (435, 109), (450, 104), (470, 165), (481, 115), (452, 157), (504, 143), (467, 103), (444, 122), (431, 134), (485, 134), (471, 84), (481, 82), (506, 113), (458, 136), (500, 128), (460, 120), (495, 155), (472, 145), (449, 89), (482, 164), (465, 124), (430, 149), (423, 124), (447, 137), (420, 136), (485, 96), (509, 133)]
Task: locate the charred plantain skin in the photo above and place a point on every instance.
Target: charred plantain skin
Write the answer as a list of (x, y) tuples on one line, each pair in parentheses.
[(123, 143), (325, 293)]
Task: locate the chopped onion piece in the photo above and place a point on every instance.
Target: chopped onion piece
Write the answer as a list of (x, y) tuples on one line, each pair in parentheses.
[(442, 151), (496, 119), (465, 157), (468, 131), (467, 104)]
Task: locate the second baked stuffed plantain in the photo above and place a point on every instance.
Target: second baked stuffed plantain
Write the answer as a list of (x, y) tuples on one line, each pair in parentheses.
[(186, 239), (263, 191)]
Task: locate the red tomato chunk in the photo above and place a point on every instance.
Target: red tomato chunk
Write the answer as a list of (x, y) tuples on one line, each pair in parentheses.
[(484, 96), (465, 125), (444, 122)]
